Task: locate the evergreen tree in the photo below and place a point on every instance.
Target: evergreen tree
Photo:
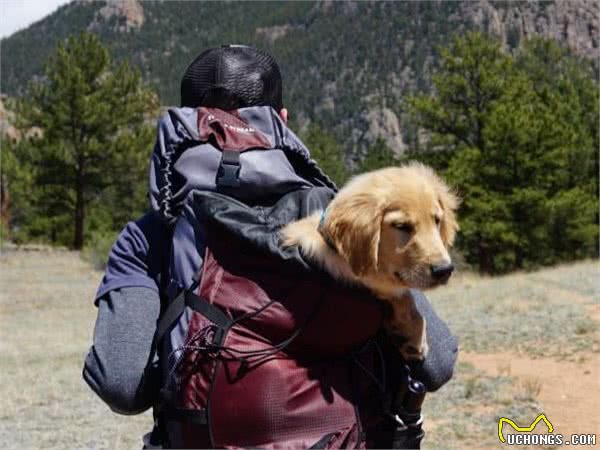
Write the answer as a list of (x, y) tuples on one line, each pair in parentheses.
[(515, 135), (379, 155), (16, 183), (90, 160), (474, 74), (327, 152), (566, 85)]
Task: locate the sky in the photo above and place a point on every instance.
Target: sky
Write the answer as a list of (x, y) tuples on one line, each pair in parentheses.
[(18, 14)]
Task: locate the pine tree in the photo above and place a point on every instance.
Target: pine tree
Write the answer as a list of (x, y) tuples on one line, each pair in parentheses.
[(474, 74), (379, 155), (327, 152), (566, 85), (516, 136), (92, 153)]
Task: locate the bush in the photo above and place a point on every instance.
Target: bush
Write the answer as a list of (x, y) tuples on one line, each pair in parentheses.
[(98, 248)]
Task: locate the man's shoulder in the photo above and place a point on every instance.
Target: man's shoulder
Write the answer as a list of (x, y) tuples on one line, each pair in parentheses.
[(154, 235), (138, 255), (150, 225)]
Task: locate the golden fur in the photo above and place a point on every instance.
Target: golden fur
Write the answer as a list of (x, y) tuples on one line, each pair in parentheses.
[(388, 228)]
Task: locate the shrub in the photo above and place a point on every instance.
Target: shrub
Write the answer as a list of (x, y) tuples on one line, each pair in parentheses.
[(98, 248)]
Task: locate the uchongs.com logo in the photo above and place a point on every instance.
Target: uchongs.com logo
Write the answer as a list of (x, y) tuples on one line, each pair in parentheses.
[(525, 435)]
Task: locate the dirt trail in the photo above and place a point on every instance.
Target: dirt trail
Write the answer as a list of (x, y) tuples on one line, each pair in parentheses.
[(568, 389)]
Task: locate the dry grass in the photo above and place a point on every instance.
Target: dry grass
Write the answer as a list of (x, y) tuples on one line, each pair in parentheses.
[(47, 317), (540, 313)]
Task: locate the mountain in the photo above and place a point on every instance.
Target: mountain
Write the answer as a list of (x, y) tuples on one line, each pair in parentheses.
[(346, 65)]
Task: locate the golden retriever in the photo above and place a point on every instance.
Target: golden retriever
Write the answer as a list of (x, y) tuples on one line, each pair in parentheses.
[(389, 230)]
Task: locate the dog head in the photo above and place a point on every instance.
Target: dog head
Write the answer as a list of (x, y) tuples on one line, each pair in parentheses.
[(394, 227)]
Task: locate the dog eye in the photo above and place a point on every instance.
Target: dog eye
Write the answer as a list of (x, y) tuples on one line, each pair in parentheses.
[(438, 220), (406, 227)]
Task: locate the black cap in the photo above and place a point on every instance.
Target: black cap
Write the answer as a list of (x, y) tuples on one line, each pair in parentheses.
[(231, 77)]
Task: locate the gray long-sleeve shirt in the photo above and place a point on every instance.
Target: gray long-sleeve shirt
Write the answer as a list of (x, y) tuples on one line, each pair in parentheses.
[(115, 367)]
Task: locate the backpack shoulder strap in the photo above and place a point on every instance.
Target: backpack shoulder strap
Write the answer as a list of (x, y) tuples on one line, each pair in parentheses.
[(176, 308)]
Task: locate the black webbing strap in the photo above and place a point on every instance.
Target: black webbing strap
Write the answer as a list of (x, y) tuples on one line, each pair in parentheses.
[(196, 416), (171, 314), (208, 310), (176, 308)]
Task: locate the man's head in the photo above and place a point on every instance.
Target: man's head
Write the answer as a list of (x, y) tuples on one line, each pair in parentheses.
[(232, 77)]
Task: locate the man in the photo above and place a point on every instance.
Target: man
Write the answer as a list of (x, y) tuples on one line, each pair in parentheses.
[(162, 253)]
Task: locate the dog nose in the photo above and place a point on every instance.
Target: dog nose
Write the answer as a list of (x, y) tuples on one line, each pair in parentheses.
[(441, 272)]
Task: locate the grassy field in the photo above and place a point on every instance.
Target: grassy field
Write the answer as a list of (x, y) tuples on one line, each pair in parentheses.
[(47, 320), (529, 343)]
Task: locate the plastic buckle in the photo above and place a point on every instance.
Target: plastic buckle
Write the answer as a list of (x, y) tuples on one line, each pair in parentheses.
[(229, 170), (218, 336), (229, 175)]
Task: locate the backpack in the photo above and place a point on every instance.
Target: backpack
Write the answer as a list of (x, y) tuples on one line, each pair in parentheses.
[(264, 350)]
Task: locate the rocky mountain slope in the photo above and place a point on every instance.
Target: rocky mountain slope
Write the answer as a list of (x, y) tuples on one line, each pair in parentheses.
[(346, 65)]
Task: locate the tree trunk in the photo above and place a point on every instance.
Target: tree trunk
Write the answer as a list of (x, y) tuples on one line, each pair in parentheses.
[(485, 263), (79, 213)]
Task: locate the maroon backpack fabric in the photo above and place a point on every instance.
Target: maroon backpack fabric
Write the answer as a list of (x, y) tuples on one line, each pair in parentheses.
[(276, 366)]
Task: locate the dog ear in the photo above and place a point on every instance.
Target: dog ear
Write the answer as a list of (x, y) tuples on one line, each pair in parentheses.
[(448, 200), (449, 203), (353, 225)]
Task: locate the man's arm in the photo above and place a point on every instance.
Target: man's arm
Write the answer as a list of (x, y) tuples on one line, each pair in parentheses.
[(438, 366), (117, 366)]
